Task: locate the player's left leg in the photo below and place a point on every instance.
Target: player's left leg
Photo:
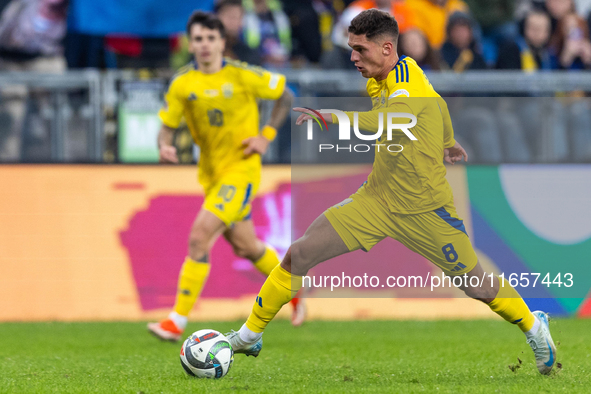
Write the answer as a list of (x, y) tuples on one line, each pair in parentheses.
[(206, 228), (505, 301), (264, 257), (440, 236)]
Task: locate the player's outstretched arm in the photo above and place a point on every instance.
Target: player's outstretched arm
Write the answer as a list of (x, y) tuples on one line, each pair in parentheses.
[(454, 154), (167, 149), (260, 143)]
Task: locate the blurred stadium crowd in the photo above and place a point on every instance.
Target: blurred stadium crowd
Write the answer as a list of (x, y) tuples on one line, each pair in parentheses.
[(458, 35), (441, 35)]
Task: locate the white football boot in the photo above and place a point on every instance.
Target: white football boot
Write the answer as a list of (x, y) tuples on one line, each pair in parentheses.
[(239, 346), (542, 344)]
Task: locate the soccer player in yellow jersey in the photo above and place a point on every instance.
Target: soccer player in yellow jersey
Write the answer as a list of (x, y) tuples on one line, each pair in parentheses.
[(218, 99), (406, 197)]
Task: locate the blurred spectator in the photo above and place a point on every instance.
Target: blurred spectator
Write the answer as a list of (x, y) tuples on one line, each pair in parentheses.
[(495, 17), (497, 23), (571, 43), (305, 30), (570, 35), (431, 17), (414, 44), (558, 9), (529, 52), (459, 51), (31, 34), (327, 15), (231, 13), (267, 29)]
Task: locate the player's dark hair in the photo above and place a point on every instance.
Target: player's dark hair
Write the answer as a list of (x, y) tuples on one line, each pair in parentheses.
[(375, 23), (221, 4), (205, 19)]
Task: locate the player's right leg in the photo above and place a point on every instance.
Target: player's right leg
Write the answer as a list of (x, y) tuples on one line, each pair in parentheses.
[(440, 236), (264, 257), (204, 232), (321, 242), (506, 302), (350, 225)]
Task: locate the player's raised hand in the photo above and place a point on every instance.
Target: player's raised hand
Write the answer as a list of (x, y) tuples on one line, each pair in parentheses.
[(258, 144), (168, 154), (307, 114), (454, 154)]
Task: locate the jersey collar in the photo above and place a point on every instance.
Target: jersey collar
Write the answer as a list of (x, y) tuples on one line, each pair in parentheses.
[(401, 58), (195, 67)]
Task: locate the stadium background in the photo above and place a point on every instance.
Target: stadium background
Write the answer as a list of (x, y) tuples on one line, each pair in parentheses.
[(105, 242), (90, 231)]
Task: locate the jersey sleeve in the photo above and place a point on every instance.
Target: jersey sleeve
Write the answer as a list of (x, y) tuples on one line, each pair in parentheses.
[(400, 83), (448, 131), (262, 83), (172, 111)]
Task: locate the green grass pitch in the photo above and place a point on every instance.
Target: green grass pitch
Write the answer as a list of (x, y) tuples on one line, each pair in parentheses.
[(328, 357)]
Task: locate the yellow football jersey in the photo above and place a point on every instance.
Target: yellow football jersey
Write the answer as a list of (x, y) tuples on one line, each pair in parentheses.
[(413, 180), (221, 111)]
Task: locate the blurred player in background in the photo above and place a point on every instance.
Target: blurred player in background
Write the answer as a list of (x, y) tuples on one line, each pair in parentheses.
[(218, 99), (406, 197)]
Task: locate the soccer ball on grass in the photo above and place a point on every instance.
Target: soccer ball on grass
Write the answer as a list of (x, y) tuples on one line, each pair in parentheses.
[(207, 354)]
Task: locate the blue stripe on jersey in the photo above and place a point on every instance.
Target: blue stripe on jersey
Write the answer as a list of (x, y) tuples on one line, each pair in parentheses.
[(454, 222), (406, 68), (193, 63), (195, 67), (400, 74), (247, 195)]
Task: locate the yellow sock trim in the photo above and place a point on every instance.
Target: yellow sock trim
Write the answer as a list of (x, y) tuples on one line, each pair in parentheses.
[(279, 288), (268, 261), (510, 306), (191, 280)]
